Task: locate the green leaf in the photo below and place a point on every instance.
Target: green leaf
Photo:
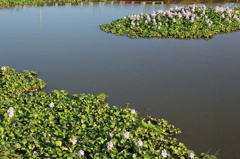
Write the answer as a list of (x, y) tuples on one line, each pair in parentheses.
[(58, 143), (17, 146)]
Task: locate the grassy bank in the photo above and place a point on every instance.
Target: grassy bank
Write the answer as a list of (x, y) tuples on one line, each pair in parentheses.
[(180, 23), (36, 124), (11, 3)]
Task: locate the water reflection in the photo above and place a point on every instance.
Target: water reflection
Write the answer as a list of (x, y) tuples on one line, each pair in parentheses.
[(40, 17), (167, 3)]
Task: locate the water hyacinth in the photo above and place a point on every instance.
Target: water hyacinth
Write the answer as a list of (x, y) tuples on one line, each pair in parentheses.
[(80, 153), (178, 23), (34, 152), (133, 111), (10, 112), (3, 68), (73, 141), (112, 134), (126, 135), (47, 131), (51, 105), (139, 143), (164, 153), (109, 145), (192, 155)]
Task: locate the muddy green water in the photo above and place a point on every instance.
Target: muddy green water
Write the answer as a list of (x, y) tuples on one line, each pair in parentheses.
[(194, 84)]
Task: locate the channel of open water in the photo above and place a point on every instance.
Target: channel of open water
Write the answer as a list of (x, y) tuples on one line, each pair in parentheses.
[(194, 84)]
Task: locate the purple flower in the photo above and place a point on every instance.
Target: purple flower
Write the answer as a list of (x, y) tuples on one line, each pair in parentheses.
[(73, 141), (133, 111), (153, 14), (112, 134), (164, 153), (3, 68), (149, 122), (139, 143), (51, 105), (10, 112), (179, 15), (134, 155), (34, 152), (192, 19), (126, 135), (81, 153), (109, 145), (191, 155)]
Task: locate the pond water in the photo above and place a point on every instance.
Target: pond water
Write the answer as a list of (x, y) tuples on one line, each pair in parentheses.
[(194, 84)]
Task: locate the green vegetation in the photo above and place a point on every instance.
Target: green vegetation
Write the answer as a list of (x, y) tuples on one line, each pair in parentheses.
[(7, 3), (35, 124), (181, 23), (34, 2)]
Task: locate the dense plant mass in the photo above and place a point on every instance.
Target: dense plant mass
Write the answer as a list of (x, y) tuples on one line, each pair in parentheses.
[(34, 2), (35, 124), (183, 22), (39, 2)]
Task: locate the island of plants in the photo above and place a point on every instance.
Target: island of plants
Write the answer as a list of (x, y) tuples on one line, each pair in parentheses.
[(36, 124), (180, 23)]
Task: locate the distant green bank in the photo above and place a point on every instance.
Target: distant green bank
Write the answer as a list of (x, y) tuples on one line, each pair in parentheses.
[(36, 124), (9, 3), (180, 23)]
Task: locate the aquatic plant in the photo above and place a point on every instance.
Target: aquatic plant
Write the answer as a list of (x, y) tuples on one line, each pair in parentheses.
[(36, 124), (180, 23), (40, 2)]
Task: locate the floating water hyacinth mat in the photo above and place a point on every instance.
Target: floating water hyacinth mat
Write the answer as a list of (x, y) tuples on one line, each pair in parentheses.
[(181, 23), (35, 124)]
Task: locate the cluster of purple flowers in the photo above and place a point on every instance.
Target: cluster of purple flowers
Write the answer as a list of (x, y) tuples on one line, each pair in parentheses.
[(109, 145), (190, 13)]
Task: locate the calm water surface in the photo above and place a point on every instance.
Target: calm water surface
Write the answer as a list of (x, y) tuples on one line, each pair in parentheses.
[(194, 84)]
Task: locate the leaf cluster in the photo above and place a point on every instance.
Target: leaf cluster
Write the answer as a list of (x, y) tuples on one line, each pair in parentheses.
[(55, 125)]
